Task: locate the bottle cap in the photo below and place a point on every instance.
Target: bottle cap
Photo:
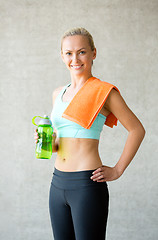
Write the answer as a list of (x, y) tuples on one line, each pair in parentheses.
[(45, 121)]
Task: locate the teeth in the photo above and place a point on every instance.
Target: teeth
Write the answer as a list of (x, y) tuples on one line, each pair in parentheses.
[(76, 67)]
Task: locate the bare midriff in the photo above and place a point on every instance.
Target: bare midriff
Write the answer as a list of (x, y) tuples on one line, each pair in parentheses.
[(77, 154)]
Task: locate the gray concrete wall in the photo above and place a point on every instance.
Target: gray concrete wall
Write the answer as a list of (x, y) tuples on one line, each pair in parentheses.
[(125, 33)]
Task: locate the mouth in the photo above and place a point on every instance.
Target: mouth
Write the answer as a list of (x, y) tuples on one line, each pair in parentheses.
[(76, 67)]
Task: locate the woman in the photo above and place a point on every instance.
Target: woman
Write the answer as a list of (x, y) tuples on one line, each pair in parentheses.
[(79, 195)]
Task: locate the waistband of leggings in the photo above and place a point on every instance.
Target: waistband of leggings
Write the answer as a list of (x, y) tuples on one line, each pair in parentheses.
[(74, 180), (75, 174)]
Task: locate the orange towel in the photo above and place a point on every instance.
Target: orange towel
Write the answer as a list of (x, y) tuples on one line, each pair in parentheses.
[(87, 103)]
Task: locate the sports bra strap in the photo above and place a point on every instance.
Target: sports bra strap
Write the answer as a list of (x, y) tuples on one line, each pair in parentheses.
[(62, 91)]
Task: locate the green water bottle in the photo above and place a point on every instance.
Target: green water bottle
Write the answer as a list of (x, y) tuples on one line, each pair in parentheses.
[(45, 131)]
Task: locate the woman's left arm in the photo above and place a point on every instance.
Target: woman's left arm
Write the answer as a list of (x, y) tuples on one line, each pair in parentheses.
[(136, 132)]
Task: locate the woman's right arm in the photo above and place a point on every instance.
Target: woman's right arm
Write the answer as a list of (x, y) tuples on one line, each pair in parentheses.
[(55, 140)]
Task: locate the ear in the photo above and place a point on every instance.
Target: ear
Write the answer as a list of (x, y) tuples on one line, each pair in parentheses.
[(94, 53)]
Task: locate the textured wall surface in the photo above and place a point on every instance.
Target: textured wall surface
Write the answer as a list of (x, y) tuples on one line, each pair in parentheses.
[(126, 37)]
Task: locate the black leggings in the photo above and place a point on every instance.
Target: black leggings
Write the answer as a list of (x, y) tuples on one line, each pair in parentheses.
[(78, 206)]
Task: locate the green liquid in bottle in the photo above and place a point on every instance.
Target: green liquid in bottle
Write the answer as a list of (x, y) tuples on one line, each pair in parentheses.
[(44, 144)]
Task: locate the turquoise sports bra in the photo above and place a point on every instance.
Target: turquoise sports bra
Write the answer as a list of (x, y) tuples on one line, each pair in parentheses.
[(67, 128)]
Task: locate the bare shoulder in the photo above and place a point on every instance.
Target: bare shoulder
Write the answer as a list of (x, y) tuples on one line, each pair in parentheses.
[(56, 92), (117, 105), (113, 94), (115, 101)]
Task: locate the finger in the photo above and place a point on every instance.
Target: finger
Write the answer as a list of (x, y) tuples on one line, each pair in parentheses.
[(36, 134), (98, 178), (54, 134), (97, 170), (96, 175), (102, 180)]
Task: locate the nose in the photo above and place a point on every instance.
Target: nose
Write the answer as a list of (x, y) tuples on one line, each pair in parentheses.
[(75, 58)]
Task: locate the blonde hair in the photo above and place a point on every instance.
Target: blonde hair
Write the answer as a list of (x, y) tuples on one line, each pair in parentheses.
[(79, 31)]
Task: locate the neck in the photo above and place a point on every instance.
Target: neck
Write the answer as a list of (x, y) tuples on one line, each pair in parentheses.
[(78, 81)]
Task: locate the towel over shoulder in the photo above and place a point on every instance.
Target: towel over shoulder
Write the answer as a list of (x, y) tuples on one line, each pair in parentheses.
[(87, 103)]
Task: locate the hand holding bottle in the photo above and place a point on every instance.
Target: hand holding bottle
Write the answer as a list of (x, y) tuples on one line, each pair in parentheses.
[(43, 137), (54, 136)]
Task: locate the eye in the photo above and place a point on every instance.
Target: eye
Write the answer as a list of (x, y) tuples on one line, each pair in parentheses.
[(68, 53), (82, 52)]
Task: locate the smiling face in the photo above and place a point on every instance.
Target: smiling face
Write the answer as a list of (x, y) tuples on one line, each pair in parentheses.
[(78, 55)]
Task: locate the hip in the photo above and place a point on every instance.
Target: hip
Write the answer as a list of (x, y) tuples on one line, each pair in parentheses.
[(75, 180)]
